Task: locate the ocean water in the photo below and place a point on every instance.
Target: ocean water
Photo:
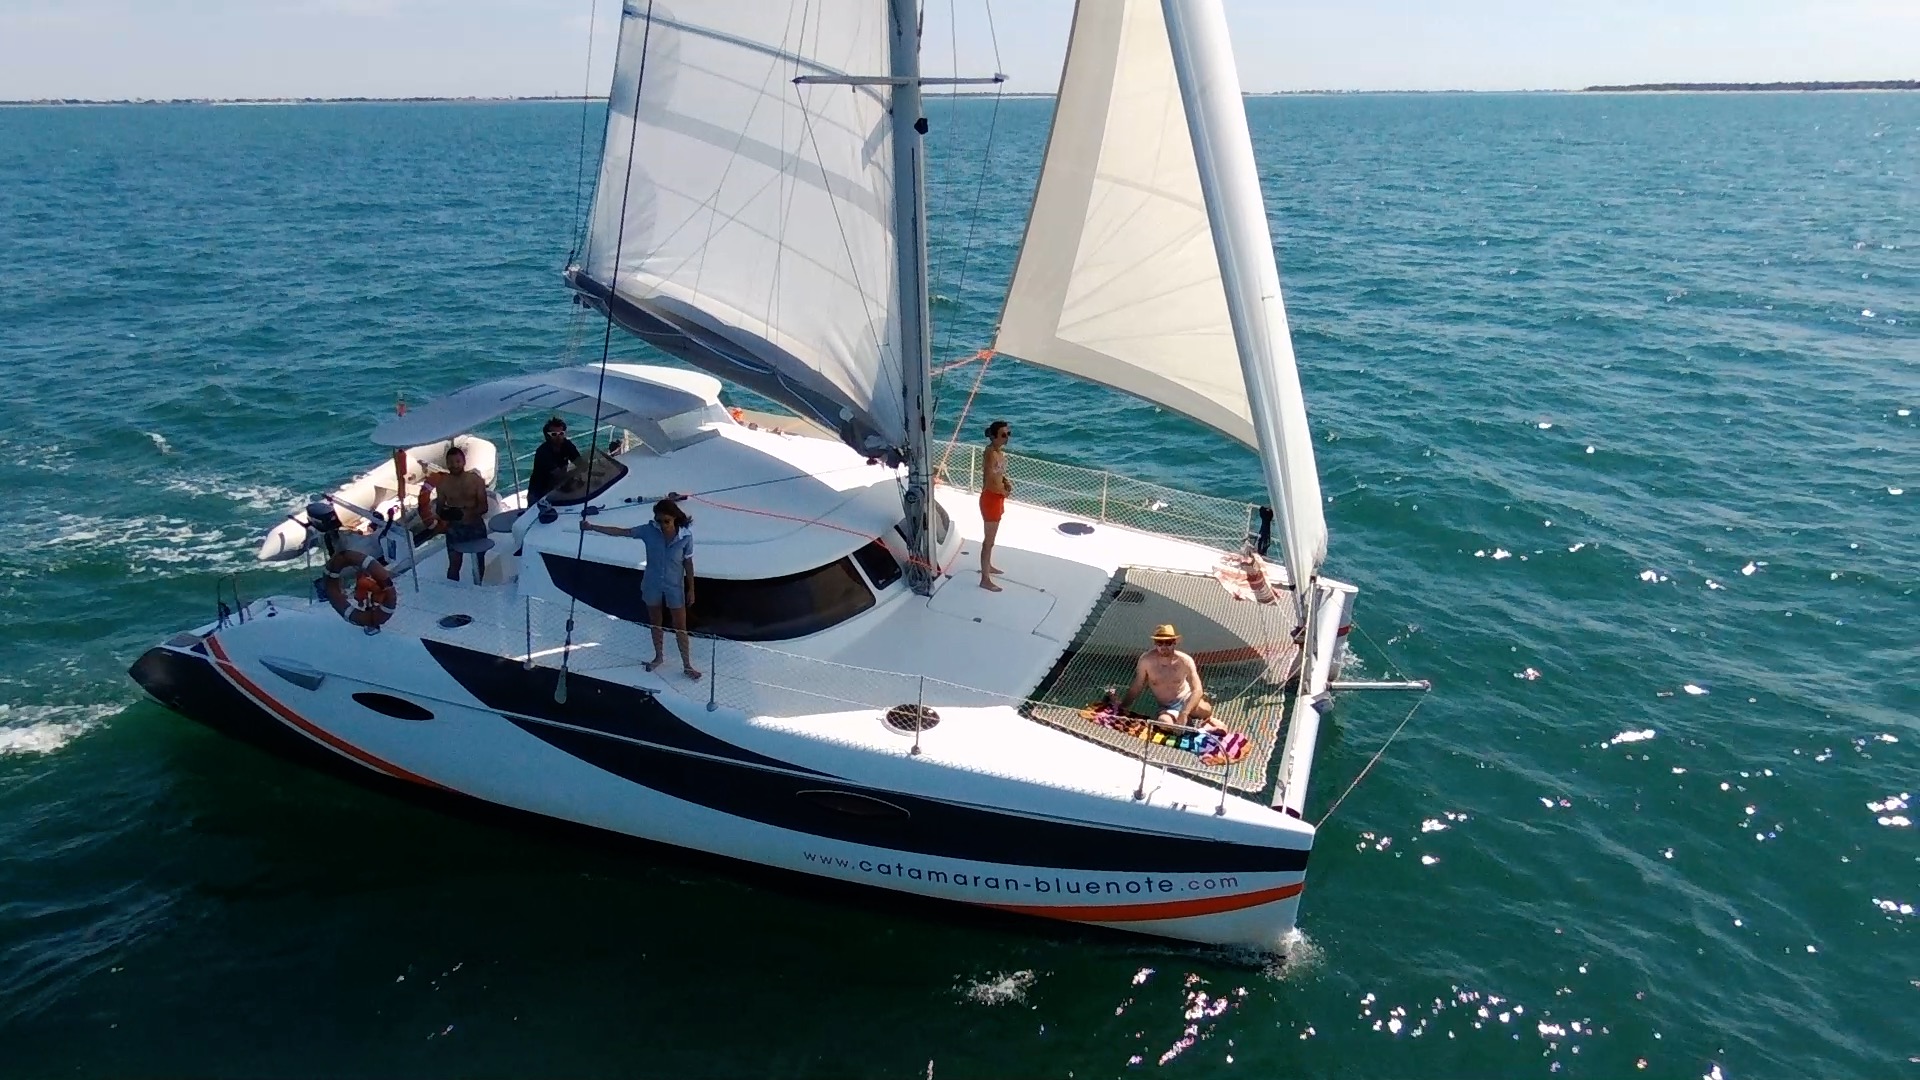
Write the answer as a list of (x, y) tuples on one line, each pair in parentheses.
[(1613, 397)]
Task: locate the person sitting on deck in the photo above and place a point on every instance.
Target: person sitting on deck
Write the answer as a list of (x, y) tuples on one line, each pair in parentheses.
[(667, 583), (551, 460), (462, 496), (1173, 678)]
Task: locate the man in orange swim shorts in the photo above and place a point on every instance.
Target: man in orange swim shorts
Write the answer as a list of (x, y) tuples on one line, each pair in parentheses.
[(994, 489)]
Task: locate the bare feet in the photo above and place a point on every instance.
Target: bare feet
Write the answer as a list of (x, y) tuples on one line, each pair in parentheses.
[(995, 570), (987, 584), (691, 672), (654, 663)]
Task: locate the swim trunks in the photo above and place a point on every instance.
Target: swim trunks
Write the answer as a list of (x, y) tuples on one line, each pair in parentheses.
[(993, 506)]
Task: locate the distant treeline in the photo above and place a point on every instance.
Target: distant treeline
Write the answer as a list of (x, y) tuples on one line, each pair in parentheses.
[(1882, 84), (283, 100)]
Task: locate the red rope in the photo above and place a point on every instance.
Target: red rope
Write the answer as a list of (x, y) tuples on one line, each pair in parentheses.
[(985, 356)]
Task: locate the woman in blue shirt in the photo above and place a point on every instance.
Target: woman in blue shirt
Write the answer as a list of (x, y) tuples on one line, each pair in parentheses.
[(667, 585)]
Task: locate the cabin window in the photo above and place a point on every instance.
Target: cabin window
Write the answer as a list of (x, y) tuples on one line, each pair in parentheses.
[(763, 609), (881, 567), (580, 485)]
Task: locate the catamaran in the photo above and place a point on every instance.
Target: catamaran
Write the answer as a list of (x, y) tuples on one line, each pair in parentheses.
[(865, 711)]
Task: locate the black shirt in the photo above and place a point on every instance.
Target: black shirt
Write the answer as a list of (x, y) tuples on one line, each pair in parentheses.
[(549, 462)]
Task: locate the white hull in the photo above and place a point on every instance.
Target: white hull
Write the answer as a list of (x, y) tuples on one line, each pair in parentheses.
[(1168, 865)]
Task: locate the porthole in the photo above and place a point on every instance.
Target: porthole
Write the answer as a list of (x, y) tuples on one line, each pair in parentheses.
[(397, 707)]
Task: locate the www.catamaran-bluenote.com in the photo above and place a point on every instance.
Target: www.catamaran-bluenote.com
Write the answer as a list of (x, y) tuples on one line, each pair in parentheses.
[(1140, 886)]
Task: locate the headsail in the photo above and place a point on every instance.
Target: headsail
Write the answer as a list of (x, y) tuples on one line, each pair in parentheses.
[(1122, 277), (753, 218)]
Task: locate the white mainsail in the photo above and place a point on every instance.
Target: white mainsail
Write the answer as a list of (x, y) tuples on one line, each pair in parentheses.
[(1149, 268), (752, 218)]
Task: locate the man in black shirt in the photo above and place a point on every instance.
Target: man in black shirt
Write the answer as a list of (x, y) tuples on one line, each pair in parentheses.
[(550, 463)]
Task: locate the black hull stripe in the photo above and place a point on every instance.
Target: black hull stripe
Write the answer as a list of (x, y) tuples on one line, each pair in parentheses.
[(931, 828), (507, 686)]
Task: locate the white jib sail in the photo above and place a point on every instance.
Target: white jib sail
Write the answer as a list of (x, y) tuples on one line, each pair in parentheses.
[(754, 206), (1120, 279)]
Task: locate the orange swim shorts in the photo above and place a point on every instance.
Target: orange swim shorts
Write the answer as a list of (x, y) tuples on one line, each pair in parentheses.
[(993, 506)]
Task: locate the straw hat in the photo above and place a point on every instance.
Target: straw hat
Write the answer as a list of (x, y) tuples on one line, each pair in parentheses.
[(1166, 632)]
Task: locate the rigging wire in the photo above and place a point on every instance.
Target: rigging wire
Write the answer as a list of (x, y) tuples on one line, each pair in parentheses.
[(966, 249), (580, 169), (1377, 754), (1371, 762), (606, 341)]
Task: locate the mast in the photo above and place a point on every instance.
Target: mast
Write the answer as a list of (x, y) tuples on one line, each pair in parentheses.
[(910, 252)]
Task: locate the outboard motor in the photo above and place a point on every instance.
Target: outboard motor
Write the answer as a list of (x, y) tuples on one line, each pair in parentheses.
[(322, 519)]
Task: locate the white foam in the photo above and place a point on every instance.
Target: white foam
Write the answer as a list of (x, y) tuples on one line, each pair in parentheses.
[(1002, 989), (43, 729), (1694, 690), (1503, 553), (1750, 569), (1896, 491), (1631, 737), (1545, 425), (1577, 546), (160, 442), (1904, 412)]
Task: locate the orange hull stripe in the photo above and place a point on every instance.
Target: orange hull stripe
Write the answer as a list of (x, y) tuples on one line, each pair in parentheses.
[(252, 689), (1171, 909)]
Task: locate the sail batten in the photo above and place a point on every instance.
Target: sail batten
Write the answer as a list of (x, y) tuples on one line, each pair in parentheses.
[(1147, 264)]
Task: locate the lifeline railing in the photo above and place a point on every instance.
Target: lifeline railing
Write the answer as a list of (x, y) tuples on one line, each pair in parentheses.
[(1113, 499)]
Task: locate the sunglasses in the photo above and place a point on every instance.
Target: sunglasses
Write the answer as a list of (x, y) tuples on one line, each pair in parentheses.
[(557, 431), (1166, 644)]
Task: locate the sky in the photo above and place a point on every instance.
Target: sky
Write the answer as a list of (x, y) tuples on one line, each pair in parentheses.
[(455, 48)]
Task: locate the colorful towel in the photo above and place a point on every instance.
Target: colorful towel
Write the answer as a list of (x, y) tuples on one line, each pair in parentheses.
[(1212, 747)]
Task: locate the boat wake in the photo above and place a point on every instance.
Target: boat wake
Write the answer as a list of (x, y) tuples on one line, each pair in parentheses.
[(43, 729)]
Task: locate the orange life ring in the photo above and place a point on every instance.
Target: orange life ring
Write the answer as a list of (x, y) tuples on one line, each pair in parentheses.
[(428, 519), (373, 599)]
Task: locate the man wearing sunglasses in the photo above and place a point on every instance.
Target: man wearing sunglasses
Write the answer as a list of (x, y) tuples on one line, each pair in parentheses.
[(551, 461), (667, 585), (1173, 678)]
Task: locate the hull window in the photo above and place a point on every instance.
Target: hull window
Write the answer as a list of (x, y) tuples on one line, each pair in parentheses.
[(881, 567), (396, 707), (763, 609)]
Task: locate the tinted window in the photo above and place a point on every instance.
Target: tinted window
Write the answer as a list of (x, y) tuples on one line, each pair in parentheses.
[(767, 609), (879, 564)]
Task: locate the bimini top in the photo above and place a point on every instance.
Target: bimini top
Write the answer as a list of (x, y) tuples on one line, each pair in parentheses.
[(637, 397)]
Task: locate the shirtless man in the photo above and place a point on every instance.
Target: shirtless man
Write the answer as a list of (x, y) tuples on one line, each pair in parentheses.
[(463, 513), (1173, 678), (994, 489)]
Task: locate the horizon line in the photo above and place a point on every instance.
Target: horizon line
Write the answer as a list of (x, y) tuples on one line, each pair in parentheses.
[(351, 99)]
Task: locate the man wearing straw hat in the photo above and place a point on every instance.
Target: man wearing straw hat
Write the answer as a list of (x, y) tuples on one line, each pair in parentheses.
[(1174, 679)]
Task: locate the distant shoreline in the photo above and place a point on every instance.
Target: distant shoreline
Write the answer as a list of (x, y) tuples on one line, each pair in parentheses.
[(1628, 88), (1700, 88), (478, 100)]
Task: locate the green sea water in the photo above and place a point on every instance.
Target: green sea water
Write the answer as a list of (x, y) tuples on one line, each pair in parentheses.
[(1613, 400)]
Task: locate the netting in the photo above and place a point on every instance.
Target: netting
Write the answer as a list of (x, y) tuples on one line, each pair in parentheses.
[(1243, 651)]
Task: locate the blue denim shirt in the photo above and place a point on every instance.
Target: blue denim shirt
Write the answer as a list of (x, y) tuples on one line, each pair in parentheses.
[(666, 558)]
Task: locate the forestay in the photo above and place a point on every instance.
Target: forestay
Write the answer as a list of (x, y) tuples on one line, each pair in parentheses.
[(752, 218), (1120, 278)]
